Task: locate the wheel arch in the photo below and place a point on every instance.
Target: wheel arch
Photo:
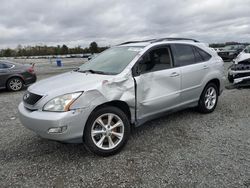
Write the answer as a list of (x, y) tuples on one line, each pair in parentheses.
[(115, 103), (13, 76), (216, 81)]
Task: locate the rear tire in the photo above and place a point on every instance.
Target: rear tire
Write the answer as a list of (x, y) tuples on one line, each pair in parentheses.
[(107, 131), (15, 84), (208, 99)]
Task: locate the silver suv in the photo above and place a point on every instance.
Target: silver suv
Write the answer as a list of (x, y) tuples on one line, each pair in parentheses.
[(124, 86)]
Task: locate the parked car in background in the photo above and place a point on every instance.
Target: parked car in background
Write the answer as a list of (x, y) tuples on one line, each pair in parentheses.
[(218, 49), (14, 76), (243, 57), (230, 52), (239, 72), (123, 86)]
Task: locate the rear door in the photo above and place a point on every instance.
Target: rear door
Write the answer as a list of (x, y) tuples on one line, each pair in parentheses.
[(193, 69), (4, 72), (158, 84)]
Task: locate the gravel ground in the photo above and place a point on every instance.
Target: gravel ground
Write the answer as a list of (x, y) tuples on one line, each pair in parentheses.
[(184, 149)]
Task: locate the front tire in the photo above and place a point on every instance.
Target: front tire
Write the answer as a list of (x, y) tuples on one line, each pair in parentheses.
[(107, 131), (208, 99), (15, 84)]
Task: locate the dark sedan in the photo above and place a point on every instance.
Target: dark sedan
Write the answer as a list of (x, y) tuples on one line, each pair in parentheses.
[(230, 52), (14, 76)]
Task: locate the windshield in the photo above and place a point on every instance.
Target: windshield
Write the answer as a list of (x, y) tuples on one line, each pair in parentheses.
[(229, 48), (111, 61), (247, 49)]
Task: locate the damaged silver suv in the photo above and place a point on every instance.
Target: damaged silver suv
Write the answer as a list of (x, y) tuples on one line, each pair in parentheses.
[(124, 86)]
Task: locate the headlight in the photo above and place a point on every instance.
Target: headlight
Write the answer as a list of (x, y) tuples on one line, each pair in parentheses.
[(61, 103)]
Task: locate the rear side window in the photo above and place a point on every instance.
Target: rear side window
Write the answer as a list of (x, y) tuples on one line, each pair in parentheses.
[(205, 56), (198, 56), (184, 55)]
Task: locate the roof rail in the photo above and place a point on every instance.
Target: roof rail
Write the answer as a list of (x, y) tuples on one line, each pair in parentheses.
[(158, 40), (170, 39), (129, 42)]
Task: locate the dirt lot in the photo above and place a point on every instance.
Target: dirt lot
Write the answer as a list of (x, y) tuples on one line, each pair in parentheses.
[(185, 149)]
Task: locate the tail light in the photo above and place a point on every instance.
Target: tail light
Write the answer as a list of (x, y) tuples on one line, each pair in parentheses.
[(31, 69)]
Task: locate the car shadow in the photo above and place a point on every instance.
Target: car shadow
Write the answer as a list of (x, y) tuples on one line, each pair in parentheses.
[(34, 148), (4, 90), (237, 86)]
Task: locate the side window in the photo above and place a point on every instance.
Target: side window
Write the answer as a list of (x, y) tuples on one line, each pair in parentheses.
[(5, 66), (1, 66), (205, 56), (157, 59), (184, 55), (198, 57)]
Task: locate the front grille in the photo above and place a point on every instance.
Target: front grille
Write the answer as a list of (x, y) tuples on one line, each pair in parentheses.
[(31, 98)]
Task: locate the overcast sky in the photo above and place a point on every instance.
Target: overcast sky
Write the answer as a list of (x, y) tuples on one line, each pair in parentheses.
[(78, 22)]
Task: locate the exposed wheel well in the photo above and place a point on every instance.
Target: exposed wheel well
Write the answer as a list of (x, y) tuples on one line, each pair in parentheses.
[(119, 104), (216, 82)]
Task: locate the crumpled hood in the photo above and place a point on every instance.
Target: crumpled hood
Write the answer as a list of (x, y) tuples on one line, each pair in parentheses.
[(242, 56), (68, 83)]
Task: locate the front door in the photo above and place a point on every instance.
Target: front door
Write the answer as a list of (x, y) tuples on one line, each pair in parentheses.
[(158, 84)]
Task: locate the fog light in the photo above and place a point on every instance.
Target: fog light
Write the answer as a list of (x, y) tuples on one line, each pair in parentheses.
[(57, 130)]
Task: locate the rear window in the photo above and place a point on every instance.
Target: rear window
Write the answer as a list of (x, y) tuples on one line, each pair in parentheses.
[(198, 56), (201, 55), (205, 56)]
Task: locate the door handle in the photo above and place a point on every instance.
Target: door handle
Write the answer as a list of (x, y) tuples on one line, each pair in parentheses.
[(174, 74), (205, 67)]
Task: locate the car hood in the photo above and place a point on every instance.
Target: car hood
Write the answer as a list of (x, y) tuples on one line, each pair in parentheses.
[(68, 83), (242, 57)]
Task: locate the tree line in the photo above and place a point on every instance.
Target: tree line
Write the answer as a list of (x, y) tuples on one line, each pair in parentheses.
[(221, 45), (40, 50)]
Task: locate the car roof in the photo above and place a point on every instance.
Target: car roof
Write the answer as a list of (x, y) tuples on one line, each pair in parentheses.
[(154, 42)]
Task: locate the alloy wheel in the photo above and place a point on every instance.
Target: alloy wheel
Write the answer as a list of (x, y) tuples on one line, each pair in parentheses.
[(107, 131), (15, 84), (210, 98)]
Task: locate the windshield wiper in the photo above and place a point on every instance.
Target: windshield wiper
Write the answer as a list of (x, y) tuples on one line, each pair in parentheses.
[(94, 71)]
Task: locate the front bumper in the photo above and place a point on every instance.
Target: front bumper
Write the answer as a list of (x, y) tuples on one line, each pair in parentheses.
[(40, 122), (239, 73)]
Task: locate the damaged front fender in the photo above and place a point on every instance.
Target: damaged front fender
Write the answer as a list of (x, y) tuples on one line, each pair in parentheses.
[(114, 89), (240, 73)]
